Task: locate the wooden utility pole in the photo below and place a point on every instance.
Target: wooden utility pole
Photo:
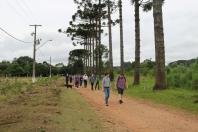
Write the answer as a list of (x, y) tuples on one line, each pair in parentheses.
[(34, 54)]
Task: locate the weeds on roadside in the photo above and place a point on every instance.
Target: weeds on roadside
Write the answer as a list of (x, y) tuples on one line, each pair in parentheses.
[(14, 86)]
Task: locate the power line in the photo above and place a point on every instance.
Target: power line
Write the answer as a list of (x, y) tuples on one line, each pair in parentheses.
[(24, 9), (17, 12), (13, 36), (21, 7), (24, 2)]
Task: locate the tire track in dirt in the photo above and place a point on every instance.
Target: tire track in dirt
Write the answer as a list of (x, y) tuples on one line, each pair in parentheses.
[(138, 116)]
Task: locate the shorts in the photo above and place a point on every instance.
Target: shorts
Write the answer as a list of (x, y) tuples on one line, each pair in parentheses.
[(120, 91)]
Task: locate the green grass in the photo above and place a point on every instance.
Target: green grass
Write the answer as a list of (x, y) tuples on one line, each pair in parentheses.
[(12, 86), (9, 87), (180, 98), (77, 114)]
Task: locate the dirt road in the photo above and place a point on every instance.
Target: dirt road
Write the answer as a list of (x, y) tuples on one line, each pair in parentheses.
[(138, 116)]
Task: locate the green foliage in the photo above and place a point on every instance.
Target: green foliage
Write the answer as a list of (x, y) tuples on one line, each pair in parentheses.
[(75, 65), (10, 86), (183, 76), (22, 67), (14, 86), (76, 68), (76, 55), (147, 67)]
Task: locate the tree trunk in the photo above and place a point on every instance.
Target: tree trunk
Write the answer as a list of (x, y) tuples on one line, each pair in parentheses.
[(110, 42), (137, 44), (90, 51), (97, 62), (93, 47), (121, 39), (86, 59), (160, 82), (99, 42)]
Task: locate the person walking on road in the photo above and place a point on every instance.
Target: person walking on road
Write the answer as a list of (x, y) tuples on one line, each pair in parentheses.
[(121, 85), (77, 80), (81, 80), (85, 78), (97, 82), (66, 79), (106, 88), (92, 80)]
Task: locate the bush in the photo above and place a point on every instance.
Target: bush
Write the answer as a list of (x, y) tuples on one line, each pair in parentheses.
[(183, 76)]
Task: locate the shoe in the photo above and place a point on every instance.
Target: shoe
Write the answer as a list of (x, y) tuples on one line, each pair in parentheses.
[(120, 101), (107, 105)]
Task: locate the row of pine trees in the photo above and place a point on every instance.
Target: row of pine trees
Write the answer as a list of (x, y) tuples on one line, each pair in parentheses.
[(89, 21)]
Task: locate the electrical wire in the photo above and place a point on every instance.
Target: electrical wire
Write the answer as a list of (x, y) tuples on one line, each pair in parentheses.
[(24, 2), (24, 10), (17, 12), (13, 36)]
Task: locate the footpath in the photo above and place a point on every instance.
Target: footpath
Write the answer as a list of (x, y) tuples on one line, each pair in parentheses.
[(139, 116)]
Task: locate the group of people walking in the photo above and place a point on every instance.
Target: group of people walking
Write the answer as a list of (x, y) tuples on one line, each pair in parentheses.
[(82, 81), (79, 80), (120, 85)]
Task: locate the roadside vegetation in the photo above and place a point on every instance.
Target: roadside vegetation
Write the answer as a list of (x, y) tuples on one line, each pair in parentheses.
[(44, 106), (182, 80), (13, 86)]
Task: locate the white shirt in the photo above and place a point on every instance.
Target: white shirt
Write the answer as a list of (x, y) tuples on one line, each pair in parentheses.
[(85, 77)]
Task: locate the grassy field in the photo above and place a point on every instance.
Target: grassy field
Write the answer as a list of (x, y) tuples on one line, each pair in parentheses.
[(44, 106), (12, 86), (182, 98), (78, 114)]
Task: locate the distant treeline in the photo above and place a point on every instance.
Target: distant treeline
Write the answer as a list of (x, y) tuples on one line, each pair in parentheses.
[(22, 66)]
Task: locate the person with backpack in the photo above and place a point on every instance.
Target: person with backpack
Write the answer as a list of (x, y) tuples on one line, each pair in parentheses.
[(121, 86), (106, 88)]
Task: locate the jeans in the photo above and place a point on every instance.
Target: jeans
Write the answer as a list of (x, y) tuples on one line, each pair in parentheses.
[(107, 94)]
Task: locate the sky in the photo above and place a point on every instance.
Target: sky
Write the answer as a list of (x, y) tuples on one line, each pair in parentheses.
[(180, 30)]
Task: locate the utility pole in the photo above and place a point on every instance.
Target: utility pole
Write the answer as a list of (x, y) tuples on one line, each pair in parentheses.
[(34, 54), (50, 67)]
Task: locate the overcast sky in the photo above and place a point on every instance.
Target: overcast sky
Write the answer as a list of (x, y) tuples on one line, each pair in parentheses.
[(180, 29)]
